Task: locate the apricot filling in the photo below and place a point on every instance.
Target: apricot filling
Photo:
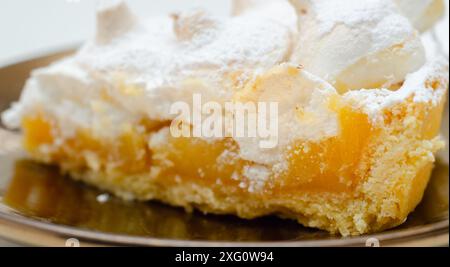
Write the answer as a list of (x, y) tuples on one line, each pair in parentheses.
[(128, 154), (332, 165)]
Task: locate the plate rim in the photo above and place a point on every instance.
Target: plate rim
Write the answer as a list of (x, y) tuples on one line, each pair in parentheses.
[(391, 237)]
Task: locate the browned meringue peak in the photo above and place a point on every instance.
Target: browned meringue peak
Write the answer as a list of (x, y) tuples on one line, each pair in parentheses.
[(114, 19), (423, 14), (356, 44), (241, 6), (186, 25)]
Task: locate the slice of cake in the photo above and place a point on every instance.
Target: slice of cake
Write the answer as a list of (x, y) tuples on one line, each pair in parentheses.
[(357, 111)]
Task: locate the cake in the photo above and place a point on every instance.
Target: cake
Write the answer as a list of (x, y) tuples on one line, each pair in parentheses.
[(358, 110)]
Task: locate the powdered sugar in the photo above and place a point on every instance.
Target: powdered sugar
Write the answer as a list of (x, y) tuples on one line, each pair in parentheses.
[(352, 13), (257, 176), (347, 42), (161, 51), (160, 54), (418, 85)]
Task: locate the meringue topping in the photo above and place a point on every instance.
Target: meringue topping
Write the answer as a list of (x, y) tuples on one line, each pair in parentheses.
[(356, 44), (304, 110), (279, 10), (187, 25), (114, 20), (422, 13)]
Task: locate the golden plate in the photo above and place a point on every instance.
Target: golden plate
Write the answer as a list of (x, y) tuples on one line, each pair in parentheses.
[(39, 207)]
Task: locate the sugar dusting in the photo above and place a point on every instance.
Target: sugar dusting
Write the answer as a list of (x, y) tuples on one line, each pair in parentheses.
[(353, 13), (257, 176), (427, 85), (164, 50)]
